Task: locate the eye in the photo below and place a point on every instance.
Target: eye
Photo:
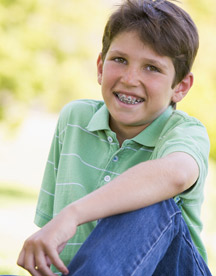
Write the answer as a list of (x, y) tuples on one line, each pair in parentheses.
[(152, 68), (120, 60)]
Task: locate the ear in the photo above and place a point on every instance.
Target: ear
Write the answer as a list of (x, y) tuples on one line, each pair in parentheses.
[(99, 68), (182, 88)]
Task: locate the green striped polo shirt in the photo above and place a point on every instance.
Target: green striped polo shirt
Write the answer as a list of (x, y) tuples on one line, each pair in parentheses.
[(85, 155)]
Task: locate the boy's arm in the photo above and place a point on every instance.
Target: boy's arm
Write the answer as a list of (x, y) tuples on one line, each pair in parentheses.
[(140, 186), (143, 185)]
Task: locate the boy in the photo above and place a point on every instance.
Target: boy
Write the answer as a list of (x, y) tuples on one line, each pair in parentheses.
[(131, 162)]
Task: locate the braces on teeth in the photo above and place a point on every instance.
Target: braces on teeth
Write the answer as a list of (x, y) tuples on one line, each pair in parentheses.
[(128, 99)]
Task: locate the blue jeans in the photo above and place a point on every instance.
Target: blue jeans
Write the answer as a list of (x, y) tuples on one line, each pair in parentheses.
[(151, 241)]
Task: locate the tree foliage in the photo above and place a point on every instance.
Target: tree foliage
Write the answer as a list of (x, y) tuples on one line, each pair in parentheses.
[(48, 53), (201, 100)]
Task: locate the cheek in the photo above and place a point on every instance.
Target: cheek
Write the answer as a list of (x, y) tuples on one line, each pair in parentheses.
[(109, 76), (159, 88)]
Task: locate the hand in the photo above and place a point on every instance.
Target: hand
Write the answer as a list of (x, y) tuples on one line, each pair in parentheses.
[(42, 248)]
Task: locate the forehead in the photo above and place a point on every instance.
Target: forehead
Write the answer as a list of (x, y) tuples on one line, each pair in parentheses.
[(128, 39)]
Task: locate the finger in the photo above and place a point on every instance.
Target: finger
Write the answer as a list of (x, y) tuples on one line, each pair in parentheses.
[(29, 263), (24, 259), (56, 261), (43, 263), (20, 260), (48, 261), (36, 271)]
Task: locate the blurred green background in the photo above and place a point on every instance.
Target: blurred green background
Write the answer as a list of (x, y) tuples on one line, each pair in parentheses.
[(48, 52)]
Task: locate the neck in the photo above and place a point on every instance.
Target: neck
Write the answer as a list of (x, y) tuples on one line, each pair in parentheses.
[(126, 132)]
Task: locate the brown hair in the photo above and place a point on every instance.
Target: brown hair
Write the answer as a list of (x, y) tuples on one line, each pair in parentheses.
[(162, 25)]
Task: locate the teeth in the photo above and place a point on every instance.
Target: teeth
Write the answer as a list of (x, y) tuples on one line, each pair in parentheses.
[(128, 100)]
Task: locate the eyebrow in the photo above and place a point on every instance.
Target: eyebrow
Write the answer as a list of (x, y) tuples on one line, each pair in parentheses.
[(156, 63), (147, 60)]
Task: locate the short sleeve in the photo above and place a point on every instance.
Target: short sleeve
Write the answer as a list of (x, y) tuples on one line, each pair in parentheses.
[(191, 137)]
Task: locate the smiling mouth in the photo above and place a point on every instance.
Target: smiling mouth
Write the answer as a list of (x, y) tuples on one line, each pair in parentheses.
[(128, 99)]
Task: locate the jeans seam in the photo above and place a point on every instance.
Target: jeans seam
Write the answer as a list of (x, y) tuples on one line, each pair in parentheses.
[(149, 251), (190, 244)]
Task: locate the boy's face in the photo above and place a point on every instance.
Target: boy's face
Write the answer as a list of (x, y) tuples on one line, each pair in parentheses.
[(136, 84)]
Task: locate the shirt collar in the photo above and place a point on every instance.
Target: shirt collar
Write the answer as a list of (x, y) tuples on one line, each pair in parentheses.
[(100, 120), (148, 137)]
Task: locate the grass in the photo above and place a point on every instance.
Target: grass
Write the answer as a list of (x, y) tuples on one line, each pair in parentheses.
[(17, 207), (17, 204)]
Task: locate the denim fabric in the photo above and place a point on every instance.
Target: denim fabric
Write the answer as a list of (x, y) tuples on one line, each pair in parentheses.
[(151, 241)]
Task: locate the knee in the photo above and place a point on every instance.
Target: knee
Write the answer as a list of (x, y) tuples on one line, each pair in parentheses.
[(163, 212)]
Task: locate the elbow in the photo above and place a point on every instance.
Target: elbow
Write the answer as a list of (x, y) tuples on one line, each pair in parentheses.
[(184, 171), (184, 180), (182, 183)]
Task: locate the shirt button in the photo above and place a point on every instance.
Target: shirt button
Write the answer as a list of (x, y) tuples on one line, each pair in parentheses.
[(110, 139), (115, 159), (107, 178)]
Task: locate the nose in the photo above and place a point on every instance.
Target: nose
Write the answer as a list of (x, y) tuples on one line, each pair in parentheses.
[(130, 76)]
